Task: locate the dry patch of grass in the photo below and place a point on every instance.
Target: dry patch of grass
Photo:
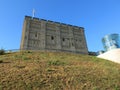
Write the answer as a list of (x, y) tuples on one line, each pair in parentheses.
[(57, 71)]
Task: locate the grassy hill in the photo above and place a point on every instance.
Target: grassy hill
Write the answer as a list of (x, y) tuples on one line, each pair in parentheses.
[(57, 71)]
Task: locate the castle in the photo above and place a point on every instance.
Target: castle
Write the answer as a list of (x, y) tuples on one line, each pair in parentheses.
[(40, 34)]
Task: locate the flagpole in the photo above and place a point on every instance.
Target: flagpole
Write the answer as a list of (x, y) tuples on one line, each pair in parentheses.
[(33, 13)]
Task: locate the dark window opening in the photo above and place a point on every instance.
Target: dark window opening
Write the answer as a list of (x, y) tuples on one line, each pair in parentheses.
[(72, 44), (52, 38), (63, 39), (36, 35)]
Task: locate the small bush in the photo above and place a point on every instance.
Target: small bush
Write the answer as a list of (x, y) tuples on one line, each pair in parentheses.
[(2, 52), (29, 51)]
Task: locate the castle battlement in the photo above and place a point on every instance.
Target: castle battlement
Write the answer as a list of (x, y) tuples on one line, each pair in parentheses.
[(49, 21)]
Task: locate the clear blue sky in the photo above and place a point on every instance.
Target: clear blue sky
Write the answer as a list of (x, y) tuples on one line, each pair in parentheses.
[(98, 17)]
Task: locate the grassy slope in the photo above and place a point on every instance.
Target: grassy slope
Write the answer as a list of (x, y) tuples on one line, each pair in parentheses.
[(57, 71)]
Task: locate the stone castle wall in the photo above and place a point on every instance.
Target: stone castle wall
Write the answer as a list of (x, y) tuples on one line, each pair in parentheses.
[(40, 34)]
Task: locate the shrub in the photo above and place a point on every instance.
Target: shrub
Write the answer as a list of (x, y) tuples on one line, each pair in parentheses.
[(2, 52), (29, 51)]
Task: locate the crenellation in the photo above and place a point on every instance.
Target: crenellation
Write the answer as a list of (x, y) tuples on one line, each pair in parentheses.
[(57, 23), (70, 25), (50, 21), (28, 17), (35, 19), (42, 20)]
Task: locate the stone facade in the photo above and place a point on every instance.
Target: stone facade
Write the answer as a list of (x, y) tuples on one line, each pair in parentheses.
[(40, 34)]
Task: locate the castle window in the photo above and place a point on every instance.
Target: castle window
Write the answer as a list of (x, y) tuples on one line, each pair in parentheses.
[(72, 44), (35, 34), (52, 38), (63, 39)]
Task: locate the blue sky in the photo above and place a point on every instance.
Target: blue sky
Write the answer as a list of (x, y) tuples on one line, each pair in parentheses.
[(98, 17)]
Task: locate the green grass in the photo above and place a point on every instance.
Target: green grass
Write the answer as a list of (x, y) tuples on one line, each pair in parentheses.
[(57, 71)]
